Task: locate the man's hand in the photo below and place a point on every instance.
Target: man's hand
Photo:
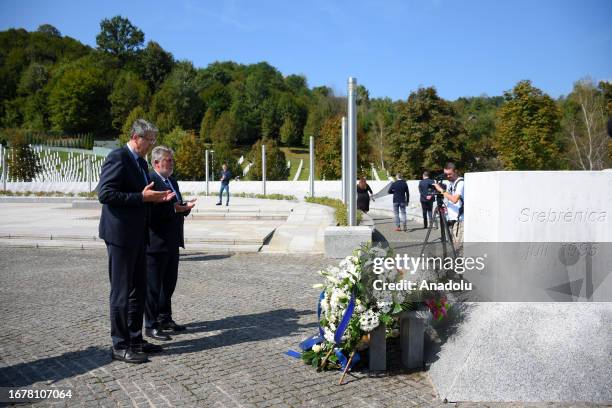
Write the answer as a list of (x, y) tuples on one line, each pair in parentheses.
[(151, 196), (437, 187), (184, 208)]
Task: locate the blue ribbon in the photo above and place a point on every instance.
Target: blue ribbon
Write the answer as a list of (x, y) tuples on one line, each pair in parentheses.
[(344, 322), (308, 343), (346, 318), (321, 296), (343, 360)]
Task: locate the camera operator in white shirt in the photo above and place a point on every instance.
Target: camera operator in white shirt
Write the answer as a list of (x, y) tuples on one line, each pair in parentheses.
[(454, 199)]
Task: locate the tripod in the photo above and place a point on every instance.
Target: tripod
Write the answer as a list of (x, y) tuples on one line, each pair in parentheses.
[(446, 236)]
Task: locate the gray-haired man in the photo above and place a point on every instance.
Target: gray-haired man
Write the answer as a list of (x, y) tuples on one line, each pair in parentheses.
[(165, 238), (125, 192)]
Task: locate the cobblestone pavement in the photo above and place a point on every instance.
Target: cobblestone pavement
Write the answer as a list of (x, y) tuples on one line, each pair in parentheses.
[(243, 313)]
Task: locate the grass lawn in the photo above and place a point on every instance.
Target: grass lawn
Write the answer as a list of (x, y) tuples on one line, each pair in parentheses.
[(295, 154)]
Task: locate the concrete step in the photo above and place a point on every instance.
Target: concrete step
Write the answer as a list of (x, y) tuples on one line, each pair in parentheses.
[(214, 215), (191, 240), (99, 244)]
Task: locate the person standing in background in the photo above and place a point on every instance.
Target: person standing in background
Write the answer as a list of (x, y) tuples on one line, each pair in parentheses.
[(401, 197), (364, 194), (427, 198), (225, 179)]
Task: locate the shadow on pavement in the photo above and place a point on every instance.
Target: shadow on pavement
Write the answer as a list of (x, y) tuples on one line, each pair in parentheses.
[(202, 257), (55, 369), (240, 329)]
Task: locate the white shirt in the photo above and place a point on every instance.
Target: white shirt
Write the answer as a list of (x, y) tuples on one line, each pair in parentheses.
[(453, 208), (136, 157)]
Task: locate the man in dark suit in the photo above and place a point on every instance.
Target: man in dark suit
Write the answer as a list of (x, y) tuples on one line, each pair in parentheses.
[(401, 196), (427, 198), (125, 192), (166, 236)]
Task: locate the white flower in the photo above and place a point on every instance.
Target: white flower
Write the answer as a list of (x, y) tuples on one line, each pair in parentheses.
[(384, 307), (328, 335), (318, 286), (338, 297), (378, 251), (369, 320), (316, 348), (360, 308)]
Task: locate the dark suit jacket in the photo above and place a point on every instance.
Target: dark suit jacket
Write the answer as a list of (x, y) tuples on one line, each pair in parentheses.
[(399, 189), (124, 215), (166, 226), (423, 187)]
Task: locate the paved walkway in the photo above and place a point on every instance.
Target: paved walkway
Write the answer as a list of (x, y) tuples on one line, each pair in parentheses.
[(243, 312), (246, 225)]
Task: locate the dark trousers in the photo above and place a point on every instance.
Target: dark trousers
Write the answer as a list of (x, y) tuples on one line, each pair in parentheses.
[(427, 207), (162, 274), (127, 273)]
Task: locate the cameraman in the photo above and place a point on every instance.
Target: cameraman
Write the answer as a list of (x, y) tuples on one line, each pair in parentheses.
[(454, 201)]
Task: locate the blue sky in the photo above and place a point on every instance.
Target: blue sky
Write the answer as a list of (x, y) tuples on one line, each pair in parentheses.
[(462, 47)]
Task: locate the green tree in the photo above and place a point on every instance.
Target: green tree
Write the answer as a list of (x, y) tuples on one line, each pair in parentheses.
[(50, 30), (276, 162), (189, 158), (35, 112), (323, 105), (426, 134), (289, 133), (174, 138), (606, 89), (297, 84), (270, 119), (155, 64), (23, 163), (477, 115), (207, 125), (293, 115), (224, 131), (216, 97), (178, 98), (119, 37), (328, 150), (78, 100), (584, 125), (382, 115), (128, 92), (528, 130), (33, 79)]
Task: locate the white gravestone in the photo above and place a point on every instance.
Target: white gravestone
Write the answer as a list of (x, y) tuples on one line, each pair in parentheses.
[(547, 235)]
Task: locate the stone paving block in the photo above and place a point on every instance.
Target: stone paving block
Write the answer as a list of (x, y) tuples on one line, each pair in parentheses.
[(243, 311)]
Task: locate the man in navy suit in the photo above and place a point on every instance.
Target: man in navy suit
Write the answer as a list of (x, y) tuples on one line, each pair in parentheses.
[(125, 192), (427, 198), (165, 238)]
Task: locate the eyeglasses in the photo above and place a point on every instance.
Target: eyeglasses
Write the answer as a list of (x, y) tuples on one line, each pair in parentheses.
[(151, 140)]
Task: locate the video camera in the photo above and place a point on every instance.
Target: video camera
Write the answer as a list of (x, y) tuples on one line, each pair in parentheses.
[(439, 179), (431, 190)]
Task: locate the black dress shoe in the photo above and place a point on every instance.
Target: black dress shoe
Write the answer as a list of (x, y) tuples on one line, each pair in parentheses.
[(172, 325), (146, 347), (129, 356), (157, 334)]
